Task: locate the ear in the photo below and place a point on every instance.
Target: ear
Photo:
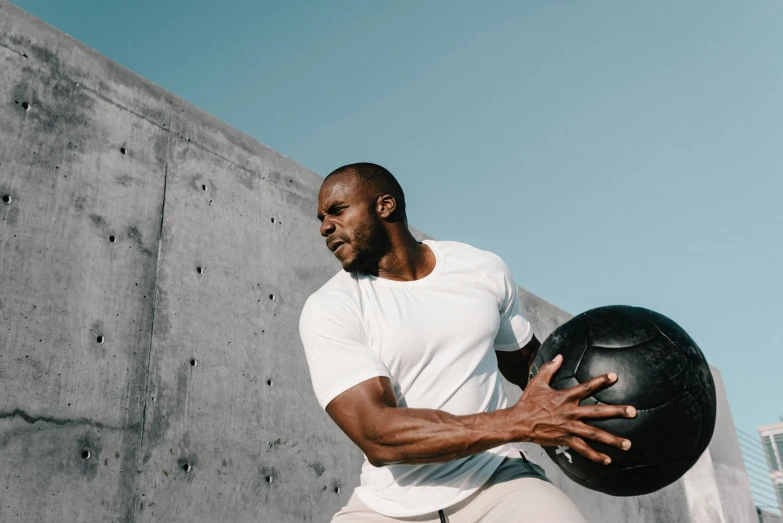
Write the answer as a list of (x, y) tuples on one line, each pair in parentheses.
[(385, 206)]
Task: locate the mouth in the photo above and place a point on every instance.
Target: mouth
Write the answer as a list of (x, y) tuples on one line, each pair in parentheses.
[(335, 245)]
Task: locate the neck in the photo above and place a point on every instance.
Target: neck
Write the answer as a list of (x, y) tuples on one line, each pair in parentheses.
[(408, 259)]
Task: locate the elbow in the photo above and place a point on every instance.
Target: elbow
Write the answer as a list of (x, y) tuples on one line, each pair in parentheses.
[(375, 462), (379, 456)]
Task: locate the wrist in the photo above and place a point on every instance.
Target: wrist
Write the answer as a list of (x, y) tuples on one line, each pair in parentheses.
[(506, 426)]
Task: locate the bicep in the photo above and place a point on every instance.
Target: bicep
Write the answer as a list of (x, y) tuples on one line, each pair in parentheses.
[(358, 410)]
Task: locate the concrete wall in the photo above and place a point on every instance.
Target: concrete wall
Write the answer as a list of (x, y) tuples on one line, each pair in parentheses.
[(195, 405)]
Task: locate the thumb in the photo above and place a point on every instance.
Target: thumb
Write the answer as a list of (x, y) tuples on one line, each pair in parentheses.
[(548, 369)]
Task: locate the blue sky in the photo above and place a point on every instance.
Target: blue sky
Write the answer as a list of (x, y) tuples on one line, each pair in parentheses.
[(610, 152)]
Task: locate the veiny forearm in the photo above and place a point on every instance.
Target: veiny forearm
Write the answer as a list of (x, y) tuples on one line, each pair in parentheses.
[(415, 436)]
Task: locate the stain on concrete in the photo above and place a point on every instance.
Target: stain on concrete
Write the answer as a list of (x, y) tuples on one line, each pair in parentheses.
[(203, 185), (97, 220), (126, 180), (161, 147), (86, 456), (11, 217), (187, 466), (135, 234), (42, 54), (33, 422), (78, 201), (274, 445), (318, 468), (65, 108), (168, 406)]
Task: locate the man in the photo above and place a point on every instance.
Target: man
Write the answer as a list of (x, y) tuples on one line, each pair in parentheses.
[(405, 348)]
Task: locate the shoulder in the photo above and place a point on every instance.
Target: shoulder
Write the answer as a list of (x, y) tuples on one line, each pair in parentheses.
[(480, 259), (337, 297)]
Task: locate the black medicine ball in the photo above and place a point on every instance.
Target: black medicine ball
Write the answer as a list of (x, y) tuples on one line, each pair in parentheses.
[(660, 371)]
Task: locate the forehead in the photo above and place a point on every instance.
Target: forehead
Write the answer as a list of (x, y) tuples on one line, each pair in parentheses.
[(342, 187)]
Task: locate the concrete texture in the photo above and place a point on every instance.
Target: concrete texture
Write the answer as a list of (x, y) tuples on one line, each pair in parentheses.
[(768, 517), (195, 403)]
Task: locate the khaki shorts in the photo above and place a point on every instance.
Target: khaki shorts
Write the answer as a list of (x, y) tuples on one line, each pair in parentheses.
[(518, 492)]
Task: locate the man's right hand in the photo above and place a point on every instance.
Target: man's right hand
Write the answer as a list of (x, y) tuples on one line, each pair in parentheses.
[(552, 417)]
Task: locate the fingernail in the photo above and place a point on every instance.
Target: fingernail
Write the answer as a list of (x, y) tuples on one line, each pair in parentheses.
[(630, 411), (607, 461), (626, 444), (612, 376), (557, 358)]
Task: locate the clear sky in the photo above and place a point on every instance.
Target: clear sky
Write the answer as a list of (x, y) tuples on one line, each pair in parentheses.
[(610, 152)]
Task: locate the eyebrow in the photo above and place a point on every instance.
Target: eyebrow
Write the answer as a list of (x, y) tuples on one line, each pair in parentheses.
[(331, 208)]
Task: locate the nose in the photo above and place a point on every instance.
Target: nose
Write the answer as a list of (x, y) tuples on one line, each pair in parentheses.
[(327, 227)]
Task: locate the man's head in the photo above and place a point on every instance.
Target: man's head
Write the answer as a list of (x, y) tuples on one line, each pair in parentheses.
[(359, 205)]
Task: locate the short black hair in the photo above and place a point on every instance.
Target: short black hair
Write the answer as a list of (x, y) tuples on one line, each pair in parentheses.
[(379, 180)]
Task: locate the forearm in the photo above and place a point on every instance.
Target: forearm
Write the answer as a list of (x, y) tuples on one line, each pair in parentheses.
[(415, 436)]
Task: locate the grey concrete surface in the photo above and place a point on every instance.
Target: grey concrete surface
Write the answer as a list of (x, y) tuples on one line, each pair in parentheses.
[(769, 517), (196, 404)]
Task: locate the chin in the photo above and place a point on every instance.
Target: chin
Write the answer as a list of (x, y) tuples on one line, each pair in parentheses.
[(352, 265), (348, 266)]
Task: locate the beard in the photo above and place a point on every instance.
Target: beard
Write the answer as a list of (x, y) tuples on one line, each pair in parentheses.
[(370, 244)]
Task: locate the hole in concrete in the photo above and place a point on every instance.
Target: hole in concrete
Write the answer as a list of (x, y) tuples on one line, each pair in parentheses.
[(122, 150), (272, 297), (86, 454), (336, 490), (186, 467), (199, 269), (99, 339), (269, 479), (273, 220), (203, 187), (6, 198), (25, 106), (269, 382), (193, 362), (112, 238)]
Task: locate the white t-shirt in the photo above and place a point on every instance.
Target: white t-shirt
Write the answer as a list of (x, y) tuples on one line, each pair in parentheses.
[(434, 338)]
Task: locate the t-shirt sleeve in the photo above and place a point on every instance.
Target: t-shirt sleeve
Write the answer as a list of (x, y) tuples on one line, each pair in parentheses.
[(336, 347), (515, 331)]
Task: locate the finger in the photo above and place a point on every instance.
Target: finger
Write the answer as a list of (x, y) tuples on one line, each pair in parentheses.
[(591, 386), (605, 411), (579, 445), (586, 431), (548, 370)]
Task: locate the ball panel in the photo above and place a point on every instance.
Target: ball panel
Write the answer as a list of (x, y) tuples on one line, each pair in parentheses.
[(570, 340), (698, 381), (619, 326), (663, 433), (567, 382), (645, 373), (659, 435), (677, 335)]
